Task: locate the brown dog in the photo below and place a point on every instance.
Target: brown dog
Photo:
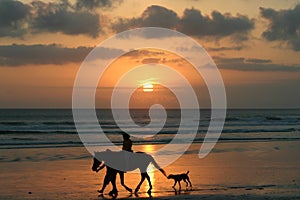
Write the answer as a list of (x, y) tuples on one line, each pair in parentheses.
[(180, 177)]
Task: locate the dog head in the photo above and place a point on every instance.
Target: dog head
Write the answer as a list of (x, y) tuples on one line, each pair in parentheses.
[(170, 176)]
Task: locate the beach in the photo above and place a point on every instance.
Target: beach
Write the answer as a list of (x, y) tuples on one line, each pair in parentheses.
[(233, 170)]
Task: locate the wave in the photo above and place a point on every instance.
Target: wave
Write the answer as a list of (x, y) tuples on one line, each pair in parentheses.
[(18, 145), (55, 144), (274, 118), (14, 123), (165, 131), (58, 123), (272, 130), (36, 132)]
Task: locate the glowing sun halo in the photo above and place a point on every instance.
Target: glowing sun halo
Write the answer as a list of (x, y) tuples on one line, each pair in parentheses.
[(148, 87)]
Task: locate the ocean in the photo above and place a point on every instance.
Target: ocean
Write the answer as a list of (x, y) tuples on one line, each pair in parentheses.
[(45, 128)]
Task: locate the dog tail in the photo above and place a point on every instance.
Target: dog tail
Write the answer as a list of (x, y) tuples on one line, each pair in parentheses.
[(187, 172), (158, 167)]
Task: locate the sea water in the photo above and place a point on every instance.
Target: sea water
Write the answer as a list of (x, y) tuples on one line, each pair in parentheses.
[(44, 128)]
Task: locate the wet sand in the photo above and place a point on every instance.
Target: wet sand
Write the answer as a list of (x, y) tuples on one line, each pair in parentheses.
[(237, 170)]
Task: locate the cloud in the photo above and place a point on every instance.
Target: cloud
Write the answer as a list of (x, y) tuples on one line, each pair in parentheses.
[(21, 55), (12, 18), (140, 53), (236, 48), (153, 16), (284, 25), (191, 23), (256, 60), (253, 64), (65, 16), (59, 17), (218, 24), (93, 4), (150, 60)]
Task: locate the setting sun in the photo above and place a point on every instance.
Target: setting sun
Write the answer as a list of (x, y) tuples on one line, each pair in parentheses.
[(148, 87)]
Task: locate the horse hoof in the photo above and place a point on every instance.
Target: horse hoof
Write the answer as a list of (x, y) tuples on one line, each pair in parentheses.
[(113, 193)]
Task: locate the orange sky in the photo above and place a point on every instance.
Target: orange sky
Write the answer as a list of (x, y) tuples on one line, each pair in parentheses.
[(259, 71)]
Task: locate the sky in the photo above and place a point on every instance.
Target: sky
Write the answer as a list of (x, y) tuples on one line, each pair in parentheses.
[(255, 45)]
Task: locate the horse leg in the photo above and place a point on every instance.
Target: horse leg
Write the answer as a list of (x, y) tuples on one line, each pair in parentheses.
[(149, 182), (105, 183), (114, 191), (122, 182), (113, 182), (143, 176)]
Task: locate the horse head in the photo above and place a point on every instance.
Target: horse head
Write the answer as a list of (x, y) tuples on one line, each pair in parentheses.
[(96, 162)]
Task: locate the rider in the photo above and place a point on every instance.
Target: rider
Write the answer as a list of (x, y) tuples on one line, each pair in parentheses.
[(127, 143)]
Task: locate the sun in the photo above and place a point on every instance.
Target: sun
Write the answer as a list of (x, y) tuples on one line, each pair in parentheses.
[(148, 87)]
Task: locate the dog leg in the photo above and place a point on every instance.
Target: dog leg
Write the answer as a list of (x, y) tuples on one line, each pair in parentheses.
[(174, 184), (189, 182), (179, 185)]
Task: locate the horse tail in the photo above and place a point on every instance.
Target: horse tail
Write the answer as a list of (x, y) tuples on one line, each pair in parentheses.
[(158, 167)]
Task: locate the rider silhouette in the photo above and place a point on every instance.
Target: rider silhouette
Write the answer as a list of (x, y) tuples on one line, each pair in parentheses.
[(127, 143)]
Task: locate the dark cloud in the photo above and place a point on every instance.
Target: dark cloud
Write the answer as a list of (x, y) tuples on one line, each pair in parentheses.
[(60, 18), (72, 23), (150, 60), (191, 23), (139, 53), (252, 64), (12, 18), (256, 60), (65, 16), (153, 16), (93, 4), (21, 55), (228, 60), (284, 26), (236, 48)]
